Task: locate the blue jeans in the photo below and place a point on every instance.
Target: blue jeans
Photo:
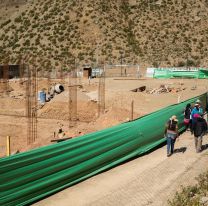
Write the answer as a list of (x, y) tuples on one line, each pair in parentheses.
[(170, 142)]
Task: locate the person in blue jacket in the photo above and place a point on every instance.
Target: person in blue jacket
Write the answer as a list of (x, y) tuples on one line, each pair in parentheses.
[(197, 110)]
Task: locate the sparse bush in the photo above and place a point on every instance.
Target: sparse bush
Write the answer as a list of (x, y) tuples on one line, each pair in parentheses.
[(181, 64), (18, 19), (191, 63), (191, 195)]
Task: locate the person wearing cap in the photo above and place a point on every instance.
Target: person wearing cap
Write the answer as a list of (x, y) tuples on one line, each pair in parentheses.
[(200, 109), (199, 129), (171, 133)]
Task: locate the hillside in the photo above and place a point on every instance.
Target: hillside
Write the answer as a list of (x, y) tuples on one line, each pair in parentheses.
[(8, 7), (164, 32)]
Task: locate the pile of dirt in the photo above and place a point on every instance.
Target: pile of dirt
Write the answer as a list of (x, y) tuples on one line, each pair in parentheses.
[(113, 116), (86, 111)]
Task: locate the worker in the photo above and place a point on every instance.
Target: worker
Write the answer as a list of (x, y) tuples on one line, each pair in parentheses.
[(199, 129), (61, 134), (194, 114), (171, 133)]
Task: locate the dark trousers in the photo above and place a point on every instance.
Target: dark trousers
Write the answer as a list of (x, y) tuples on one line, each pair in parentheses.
[(198, 143)]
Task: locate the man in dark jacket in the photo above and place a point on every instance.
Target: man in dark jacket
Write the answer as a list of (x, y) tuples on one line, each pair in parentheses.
[(199, 129)]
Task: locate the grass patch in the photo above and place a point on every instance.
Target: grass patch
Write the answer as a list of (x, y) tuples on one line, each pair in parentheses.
[(196, 195)]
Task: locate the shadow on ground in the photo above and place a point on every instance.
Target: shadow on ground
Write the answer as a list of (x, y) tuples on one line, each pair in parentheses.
[(204, 147), (180, 150)]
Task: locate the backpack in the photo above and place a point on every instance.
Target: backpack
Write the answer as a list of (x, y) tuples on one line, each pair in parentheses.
[(200, 127), (172, 125)]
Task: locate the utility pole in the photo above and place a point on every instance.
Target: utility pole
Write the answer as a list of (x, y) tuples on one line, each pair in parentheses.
[(96, 52), (121, 59)]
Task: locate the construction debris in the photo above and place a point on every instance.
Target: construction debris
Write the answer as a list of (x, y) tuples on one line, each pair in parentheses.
[(139, 89), (165, 89), (61, 140)]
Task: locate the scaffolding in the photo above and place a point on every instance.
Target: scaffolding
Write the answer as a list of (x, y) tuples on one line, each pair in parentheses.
[(72, 100)]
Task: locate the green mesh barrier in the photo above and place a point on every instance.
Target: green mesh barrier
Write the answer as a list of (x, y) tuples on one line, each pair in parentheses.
[(168, 73), (27, 177)]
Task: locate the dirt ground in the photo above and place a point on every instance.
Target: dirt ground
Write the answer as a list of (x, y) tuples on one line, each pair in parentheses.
[(149, 180), (118, 99), (128, 184)]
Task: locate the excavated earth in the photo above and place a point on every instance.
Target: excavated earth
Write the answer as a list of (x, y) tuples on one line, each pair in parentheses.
[(55, 114)]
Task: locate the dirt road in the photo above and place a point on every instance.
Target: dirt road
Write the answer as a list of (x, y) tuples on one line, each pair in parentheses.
[(148, 180)]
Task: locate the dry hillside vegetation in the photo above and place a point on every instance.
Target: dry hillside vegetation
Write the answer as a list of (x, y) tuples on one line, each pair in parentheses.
[(9, 7), (164, 32)]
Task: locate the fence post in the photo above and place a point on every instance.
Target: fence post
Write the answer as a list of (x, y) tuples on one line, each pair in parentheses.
[(8, 146), (132, 110)]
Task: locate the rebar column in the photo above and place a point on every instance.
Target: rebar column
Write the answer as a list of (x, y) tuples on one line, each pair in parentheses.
[(101, 93), (31, 96), (72, 101)]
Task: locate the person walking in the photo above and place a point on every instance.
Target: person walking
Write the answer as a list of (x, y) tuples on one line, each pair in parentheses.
[(171, 133), (199, 129), (61, 133), (187, 116), (197, 110)]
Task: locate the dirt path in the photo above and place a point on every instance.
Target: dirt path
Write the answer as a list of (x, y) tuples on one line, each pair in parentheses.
[(148, 180)]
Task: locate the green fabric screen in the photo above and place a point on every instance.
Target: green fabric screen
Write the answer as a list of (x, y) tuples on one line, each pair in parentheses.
[(168, 73), (30, 176)]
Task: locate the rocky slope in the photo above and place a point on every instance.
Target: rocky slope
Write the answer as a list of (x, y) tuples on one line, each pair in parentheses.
[(164, 32)]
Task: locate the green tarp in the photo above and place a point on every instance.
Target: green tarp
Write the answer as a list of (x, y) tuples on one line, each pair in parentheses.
[(169, 73), (30, 176)]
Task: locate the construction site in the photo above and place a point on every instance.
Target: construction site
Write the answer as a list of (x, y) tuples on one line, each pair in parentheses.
[(79, 105), (39, 108), (87, 91)]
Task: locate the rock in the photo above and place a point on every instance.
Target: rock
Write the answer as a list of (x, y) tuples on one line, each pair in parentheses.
[(197, 18), (204, 200), (15, 152)]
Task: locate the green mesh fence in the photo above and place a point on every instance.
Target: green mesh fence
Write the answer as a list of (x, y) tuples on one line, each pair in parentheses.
[(168, 73), (32, 175)]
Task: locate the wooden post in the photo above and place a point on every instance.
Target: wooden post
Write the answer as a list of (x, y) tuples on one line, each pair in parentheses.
[(8, 146), (132, 110), (179, 98)]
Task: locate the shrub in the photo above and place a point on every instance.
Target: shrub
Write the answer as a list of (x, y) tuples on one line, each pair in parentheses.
[(181, 64), (191, 195)]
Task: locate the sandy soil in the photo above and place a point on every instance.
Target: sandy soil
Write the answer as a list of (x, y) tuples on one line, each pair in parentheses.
[(118, 99), (148, 180)]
